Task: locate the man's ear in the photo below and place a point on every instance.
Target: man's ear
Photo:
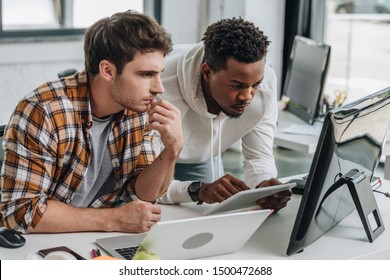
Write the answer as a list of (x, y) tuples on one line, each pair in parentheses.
[(107, 70), (206, 71)]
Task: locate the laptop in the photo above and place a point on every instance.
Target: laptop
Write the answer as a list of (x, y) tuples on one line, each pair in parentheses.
[(190, 238)]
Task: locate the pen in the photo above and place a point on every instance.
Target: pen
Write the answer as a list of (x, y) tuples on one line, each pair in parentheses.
[(94, 253)]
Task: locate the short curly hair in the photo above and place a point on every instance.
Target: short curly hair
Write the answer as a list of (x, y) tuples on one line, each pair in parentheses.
[(233, 38)]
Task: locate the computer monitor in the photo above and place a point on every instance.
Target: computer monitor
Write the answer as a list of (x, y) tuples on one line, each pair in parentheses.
[(305, 77), (349, 150)]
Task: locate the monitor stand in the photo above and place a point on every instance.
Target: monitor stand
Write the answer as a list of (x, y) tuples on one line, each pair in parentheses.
[(360, 188), (363, 197)]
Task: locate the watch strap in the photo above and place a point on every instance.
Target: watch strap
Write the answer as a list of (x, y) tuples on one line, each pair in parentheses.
[(193, 191)]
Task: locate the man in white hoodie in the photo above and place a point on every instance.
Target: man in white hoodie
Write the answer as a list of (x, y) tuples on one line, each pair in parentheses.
[(226, 92)]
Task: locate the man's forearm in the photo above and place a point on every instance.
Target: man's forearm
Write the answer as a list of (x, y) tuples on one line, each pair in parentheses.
[(154, 180), (60, 217)]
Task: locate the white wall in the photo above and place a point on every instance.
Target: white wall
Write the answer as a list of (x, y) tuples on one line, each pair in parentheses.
[(268, 15), (183, 19), (24, 66)]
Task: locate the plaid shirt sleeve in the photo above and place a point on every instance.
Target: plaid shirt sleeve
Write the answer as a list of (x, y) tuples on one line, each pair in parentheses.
[(45, 152), (147, 156), (28, 166)]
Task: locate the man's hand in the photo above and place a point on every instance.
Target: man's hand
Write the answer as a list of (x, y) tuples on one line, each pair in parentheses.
[(165, 118), (221, 189), (136, 216), (276, 201)]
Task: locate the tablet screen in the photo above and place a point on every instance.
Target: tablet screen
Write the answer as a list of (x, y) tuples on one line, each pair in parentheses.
[(247, 198)]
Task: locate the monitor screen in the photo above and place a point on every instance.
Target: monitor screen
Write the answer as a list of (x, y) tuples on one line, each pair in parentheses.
[(352, 138), (305, 77)]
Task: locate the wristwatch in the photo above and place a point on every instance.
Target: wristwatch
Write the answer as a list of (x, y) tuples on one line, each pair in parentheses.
[(193, 191)]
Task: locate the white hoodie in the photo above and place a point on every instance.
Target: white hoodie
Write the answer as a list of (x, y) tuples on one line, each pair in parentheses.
[(207, 135)]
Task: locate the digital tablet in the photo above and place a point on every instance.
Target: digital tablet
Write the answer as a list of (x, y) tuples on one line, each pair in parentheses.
[(247, 198)]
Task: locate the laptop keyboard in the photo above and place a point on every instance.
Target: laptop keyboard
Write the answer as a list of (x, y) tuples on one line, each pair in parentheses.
[(128, 252)]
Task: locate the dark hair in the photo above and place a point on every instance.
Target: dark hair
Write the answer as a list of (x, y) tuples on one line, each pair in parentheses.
[(119, 37), (233, 38)]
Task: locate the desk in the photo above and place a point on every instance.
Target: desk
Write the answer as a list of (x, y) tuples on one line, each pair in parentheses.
[(308, 144), (345, 241), (296, 142)]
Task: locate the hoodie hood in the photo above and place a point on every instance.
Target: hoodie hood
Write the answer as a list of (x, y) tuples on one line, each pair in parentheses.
[(189, 77)]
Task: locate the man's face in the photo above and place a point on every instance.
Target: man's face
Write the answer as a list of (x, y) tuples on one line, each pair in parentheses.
[(234, 88), (139, 82)]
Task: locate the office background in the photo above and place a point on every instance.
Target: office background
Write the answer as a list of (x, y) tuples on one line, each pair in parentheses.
[(28, 61), (358, 36), (33, 49)]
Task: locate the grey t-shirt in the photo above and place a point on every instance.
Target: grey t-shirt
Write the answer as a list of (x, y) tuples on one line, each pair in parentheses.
[(99, 177)]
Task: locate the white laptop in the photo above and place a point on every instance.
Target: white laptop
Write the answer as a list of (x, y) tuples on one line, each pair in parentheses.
[(190, 238)]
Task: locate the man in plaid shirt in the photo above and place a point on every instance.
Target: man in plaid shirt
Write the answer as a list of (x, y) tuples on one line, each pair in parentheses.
[(79, 151)]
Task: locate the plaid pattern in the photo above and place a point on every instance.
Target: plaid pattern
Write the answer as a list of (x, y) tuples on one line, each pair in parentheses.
[(47, 151)]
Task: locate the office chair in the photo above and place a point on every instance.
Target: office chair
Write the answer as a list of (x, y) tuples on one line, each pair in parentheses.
[(2, 127), (67, 72)]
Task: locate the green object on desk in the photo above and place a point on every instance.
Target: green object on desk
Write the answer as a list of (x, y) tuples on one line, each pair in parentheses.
[(143, 254)]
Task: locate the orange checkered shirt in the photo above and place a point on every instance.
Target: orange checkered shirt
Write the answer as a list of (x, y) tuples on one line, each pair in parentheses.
[(47, 151)]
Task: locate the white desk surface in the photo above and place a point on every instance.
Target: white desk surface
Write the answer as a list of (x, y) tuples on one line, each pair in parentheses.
[(297, 142), (345, 241)]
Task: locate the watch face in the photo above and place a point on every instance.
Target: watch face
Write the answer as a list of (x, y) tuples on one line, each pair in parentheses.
[(193, 187)]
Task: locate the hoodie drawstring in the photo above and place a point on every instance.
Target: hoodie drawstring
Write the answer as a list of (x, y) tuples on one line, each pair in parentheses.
[(212, 150), (219, 150)]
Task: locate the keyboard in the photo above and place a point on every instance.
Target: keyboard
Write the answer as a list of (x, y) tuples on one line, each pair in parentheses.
[(303, 129), (128, 252)]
